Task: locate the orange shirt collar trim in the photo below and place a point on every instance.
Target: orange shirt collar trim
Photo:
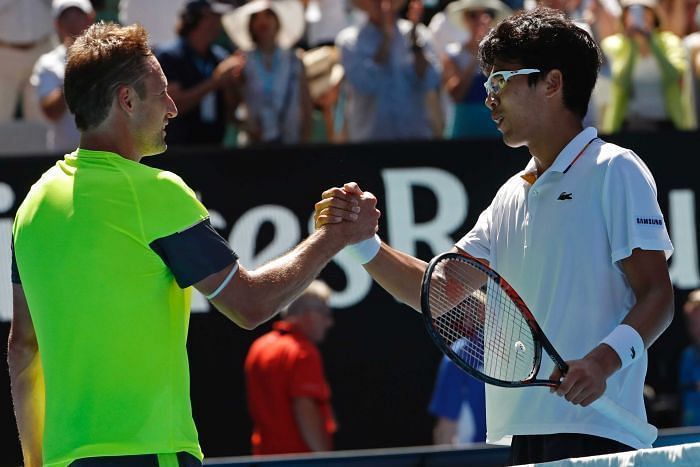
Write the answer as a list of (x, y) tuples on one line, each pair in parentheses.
[(529, 177)]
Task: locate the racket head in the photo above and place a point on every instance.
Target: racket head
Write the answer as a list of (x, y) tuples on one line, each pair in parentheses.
[(457, 281), (476, 318)]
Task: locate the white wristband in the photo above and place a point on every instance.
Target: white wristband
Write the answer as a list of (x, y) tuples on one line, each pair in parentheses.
[(364, 251), (627, 343)]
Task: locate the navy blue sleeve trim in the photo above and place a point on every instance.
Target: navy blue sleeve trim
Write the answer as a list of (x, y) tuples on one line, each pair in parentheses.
[(15, 272), (195, 253)]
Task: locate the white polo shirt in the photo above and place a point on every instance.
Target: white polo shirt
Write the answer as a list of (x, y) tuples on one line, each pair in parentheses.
[(558, 239)]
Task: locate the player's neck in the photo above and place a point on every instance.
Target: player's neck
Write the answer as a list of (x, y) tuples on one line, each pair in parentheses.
[(546, 147), (267, 47), (110, 142)]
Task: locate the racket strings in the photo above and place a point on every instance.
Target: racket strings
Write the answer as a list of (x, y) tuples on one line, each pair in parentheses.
[(480, 322)]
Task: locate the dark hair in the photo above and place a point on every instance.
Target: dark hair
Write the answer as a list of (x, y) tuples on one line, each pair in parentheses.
[(105, 56), (545, 39), (190, 16)]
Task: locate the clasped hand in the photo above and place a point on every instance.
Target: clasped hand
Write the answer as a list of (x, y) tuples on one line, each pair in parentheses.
[(350, 211)]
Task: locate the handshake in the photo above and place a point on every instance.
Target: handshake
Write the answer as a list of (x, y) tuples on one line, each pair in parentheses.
[(351, 215)]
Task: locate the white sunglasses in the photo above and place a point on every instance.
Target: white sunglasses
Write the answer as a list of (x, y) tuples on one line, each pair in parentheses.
[(498, 79)]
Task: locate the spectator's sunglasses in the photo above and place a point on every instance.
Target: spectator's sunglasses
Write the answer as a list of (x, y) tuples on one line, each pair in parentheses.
[(498, 79)]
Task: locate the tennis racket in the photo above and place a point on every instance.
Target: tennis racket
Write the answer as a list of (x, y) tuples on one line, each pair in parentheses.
[(480, 322)]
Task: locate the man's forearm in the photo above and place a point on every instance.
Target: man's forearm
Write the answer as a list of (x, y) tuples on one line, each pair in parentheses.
[(282, 279), (254, 297), (445, 431), (649, 317), (26, 379), (653, 311), (28, 396), (250, 298), (399, 274), (311, 424)]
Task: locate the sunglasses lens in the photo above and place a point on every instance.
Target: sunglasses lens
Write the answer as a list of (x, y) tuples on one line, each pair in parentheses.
[(496, 83)]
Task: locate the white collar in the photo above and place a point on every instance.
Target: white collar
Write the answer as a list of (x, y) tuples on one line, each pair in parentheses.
[(566, 158), (571, 151)]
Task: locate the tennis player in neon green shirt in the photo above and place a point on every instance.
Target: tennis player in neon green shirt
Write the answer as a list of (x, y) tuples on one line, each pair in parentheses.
[(105, 251)]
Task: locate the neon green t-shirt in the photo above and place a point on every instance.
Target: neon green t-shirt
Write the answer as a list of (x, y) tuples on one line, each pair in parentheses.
[(110, 320)]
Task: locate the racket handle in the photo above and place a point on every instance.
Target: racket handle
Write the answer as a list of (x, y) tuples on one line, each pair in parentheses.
[(645, 432)]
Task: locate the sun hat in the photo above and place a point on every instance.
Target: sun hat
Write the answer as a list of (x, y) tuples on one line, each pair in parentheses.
[(652, 4), (290, 14), (455, 10), (323, 69), (59, 6)]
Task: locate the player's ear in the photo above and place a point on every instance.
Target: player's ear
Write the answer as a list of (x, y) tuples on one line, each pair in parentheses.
[(554, 83), (125, 98)]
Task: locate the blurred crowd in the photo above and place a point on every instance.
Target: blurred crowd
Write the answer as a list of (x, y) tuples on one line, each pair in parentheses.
[(299, 71)]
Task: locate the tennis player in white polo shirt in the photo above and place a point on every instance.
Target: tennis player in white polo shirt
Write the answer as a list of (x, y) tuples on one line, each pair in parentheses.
[(578, 233)]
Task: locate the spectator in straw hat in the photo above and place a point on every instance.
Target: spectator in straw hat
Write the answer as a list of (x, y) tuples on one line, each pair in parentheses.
[(273, 81), (462, 78), (325, 74), (444, 31), (649, 88), (390, 65)]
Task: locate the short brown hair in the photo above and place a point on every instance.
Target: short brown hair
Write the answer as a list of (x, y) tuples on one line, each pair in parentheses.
[(102, 58)]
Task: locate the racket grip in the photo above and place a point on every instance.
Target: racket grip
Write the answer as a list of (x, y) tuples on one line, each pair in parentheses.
[(643, 431)]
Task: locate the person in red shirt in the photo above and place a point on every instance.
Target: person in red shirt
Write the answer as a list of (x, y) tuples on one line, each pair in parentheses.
[(288, 396)]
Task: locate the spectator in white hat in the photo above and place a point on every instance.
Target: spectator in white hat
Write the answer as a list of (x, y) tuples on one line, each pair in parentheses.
[(273, 81), (71, 18), (462, 78)]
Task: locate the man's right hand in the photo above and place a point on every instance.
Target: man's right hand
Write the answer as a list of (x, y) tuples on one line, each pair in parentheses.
[(350, 210), (230, 70), (398, 273)]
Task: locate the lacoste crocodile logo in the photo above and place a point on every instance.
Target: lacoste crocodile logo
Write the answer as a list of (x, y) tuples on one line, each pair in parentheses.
[(564, 196)]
